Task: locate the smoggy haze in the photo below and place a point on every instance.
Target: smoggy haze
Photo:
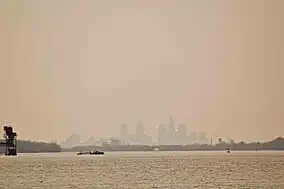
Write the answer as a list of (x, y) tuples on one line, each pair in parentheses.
[(88, 66)]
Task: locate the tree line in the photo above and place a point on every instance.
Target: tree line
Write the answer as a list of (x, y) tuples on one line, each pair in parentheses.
[(276, 144), (24, 146)]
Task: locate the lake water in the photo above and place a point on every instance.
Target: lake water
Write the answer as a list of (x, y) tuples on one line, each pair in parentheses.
[(124, 170)]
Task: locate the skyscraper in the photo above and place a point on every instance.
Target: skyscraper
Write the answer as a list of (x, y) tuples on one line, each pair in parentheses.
[(124, 135), (171, 131), (139, 129), (181, 134), (140, 134), (162, 134)]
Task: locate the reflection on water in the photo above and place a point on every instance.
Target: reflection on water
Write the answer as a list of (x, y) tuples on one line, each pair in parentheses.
[(144, 170)]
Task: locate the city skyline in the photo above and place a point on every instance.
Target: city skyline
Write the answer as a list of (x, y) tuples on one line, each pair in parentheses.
[(171, 133), (133, 129)]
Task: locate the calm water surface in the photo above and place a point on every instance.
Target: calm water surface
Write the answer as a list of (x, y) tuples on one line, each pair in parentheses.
[(124, 170)]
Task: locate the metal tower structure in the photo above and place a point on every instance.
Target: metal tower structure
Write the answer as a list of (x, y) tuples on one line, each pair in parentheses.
[(10, 143)]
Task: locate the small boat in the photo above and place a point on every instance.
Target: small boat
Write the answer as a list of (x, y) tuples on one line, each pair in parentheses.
[(91, 153), (96, 153), (228, 151), (81, 153)]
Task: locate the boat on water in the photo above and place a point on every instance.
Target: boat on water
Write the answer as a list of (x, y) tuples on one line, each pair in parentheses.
[(91, 153), (96, 153)]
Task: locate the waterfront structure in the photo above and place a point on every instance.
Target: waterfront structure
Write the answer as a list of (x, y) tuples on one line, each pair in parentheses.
[(10, 141)]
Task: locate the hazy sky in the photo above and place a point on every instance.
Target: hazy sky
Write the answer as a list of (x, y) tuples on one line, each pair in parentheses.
[(88, 66)]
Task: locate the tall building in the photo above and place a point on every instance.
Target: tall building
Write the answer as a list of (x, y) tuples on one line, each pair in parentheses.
[(140, 133), (181, 134), (171, 131), (124, 135), (162, 134), (140, 129)]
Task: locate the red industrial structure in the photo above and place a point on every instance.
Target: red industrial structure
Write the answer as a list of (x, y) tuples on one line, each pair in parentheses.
[(10, 143)]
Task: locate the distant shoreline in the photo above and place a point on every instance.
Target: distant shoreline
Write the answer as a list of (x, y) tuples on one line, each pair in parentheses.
[(42, 147), (64, 151), (24, 146), (274, 145), (197, 150)]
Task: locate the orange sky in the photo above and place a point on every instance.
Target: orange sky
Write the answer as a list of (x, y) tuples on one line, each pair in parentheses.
[(88, 66)]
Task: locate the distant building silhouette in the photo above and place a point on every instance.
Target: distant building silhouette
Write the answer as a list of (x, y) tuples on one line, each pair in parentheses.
[(114, 142), (140, 135), (181, 134), (71, 141), (192, 138), (124, 134), (140, 129), (162, 134), (171, 131), (138, 138), (167, 134), (202, 138), (90, 141)]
